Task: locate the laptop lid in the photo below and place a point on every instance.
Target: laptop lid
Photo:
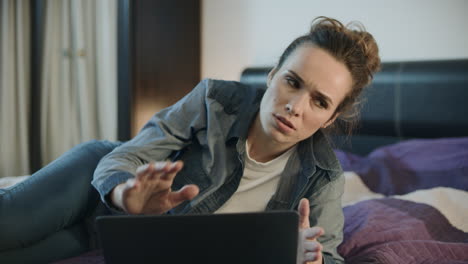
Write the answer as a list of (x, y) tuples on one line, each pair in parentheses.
[(247, 238)]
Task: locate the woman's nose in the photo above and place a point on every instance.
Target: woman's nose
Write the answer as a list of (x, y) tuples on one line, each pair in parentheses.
[(296, 104)]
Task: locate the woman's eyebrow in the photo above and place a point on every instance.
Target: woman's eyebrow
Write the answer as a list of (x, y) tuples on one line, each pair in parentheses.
[(321, 95), (296, 76), (324, 97)]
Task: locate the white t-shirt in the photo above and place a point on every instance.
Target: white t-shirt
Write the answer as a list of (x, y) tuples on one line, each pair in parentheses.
[(257, 185)]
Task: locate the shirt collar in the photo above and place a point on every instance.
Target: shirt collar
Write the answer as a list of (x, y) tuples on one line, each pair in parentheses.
[(248, 113), (318, 149)]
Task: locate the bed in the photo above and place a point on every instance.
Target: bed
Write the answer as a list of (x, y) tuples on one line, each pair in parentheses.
[(406, 167)]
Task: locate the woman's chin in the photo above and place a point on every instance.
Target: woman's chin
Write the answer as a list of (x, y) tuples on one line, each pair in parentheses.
[(281, 138)]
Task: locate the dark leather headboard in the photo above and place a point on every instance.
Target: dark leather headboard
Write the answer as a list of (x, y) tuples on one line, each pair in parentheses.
[(421, 99)]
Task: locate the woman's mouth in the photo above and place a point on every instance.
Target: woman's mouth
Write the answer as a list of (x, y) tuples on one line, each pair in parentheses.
[(283, 123)]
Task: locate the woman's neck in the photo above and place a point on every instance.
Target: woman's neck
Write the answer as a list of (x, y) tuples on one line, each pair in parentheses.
[(261, 147)]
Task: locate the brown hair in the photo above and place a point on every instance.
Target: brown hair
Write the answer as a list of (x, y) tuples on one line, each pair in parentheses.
[(355, 48)]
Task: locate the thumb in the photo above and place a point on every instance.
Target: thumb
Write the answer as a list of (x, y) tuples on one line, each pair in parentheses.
[(188, 192), (304, 211)]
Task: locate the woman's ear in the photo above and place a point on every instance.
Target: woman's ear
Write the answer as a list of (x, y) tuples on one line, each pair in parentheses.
[(270, 76)]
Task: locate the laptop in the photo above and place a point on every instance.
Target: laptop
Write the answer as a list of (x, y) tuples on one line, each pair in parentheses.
[(241, 238)]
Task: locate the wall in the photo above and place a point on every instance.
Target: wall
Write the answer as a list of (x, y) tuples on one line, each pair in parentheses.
[(165, 54), (244, 33)]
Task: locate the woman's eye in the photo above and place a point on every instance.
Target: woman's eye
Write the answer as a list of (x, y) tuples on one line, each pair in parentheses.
[(320, 103), (292, 82)]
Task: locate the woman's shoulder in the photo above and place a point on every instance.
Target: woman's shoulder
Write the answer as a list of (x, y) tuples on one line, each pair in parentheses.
[(232, 94)]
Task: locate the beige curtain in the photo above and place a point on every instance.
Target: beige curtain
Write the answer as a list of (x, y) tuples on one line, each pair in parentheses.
[(14, 86), (79, 91)]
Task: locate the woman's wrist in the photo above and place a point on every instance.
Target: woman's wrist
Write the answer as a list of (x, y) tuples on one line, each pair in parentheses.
[(116, 196)]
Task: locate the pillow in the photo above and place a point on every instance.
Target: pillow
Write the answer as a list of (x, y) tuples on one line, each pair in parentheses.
[(412, 165)]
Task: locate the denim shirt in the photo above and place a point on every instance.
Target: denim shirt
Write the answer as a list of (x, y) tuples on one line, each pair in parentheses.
[(207, 130)]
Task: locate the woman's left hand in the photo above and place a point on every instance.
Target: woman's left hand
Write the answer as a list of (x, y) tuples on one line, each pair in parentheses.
[(309, 250)]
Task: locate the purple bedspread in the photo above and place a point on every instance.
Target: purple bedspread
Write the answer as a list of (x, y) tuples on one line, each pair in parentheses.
[(397, 231)]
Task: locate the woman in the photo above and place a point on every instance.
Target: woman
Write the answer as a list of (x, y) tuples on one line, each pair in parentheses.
[(227, 143)]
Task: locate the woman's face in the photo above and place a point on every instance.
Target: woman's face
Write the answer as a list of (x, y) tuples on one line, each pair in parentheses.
[(302, 95)]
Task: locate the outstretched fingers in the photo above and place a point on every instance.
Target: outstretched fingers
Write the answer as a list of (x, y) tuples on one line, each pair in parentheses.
[(171, 169), (150, 191), (154, 172), (147, 172)]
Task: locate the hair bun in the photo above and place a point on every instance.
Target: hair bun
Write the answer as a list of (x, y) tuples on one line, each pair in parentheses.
[(370, 50), (350, 43)]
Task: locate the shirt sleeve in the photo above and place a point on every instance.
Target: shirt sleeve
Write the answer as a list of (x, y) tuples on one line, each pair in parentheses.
[(169, 130), (326, 212)]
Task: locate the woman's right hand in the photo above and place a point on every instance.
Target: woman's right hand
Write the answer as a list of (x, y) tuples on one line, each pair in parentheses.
[(150, 191)]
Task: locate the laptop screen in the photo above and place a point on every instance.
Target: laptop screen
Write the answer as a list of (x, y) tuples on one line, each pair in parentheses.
[(264, 237)]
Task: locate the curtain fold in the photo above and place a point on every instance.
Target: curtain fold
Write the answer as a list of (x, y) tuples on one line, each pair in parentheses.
[(14, 86), (106, 66), (79, 79)]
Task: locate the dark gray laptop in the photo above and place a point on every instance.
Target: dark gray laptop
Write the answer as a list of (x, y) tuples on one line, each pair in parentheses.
[(241, 238)]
